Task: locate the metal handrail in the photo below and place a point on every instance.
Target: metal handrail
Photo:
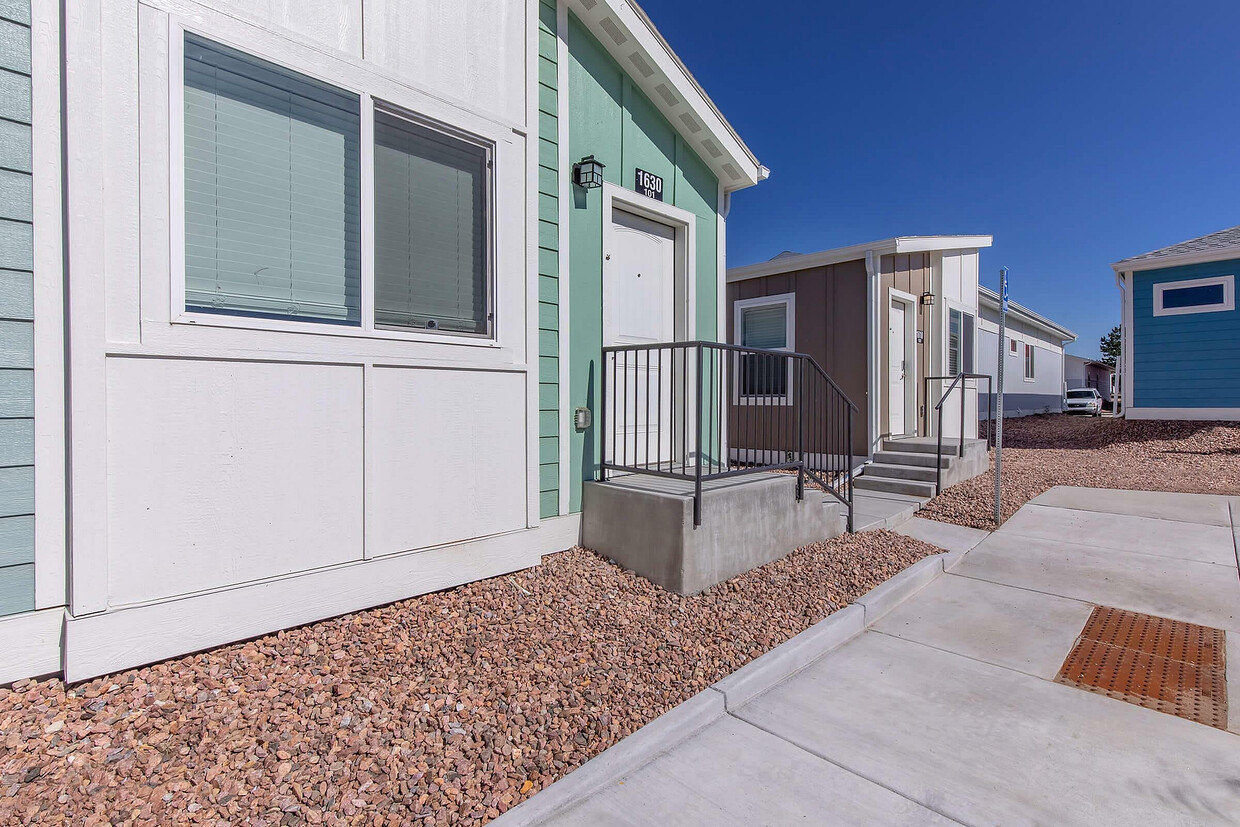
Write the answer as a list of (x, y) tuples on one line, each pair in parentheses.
[(958, 379), (771, 385)]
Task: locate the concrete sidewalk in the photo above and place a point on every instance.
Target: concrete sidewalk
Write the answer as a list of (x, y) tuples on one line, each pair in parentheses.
[(943, 710)]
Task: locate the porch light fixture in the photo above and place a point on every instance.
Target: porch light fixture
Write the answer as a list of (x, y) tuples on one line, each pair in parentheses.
[(927, 299), (588, 173)]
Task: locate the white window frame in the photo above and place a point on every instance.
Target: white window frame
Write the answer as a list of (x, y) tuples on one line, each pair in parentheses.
[(1013, 350), (789, 301), (1229, 296), (181, 315), (1030, 364)]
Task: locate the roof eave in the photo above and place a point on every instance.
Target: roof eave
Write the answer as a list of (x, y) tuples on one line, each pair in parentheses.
[(898, 244), (629, 36), (991, 299), (1130, 265)]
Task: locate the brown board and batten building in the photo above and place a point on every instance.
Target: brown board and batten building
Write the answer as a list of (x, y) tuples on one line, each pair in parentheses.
[(880, 318)]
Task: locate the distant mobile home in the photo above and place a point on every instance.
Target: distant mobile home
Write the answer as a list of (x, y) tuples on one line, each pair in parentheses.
[(1179, 330), (1033, 370), (1079, 372), (307, 312), (887, 320)]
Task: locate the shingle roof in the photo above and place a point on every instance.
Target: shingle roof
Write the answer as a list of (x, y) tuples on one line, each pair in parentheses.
[(1222, 240)]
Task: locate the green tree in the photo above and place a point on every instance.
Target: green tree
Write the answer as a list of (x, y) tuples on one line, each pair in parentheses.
[(1110, 345)]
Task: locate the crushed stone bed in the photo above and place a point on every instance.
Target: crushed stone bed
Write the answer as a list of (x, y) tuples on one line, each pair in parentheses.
[(1041, 452), (448, 708)]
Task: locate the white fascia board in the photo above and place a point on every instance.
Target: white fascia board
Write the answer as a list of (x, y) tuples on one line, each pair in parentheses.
[(635, 44), (941, 243), (856, 252), (1204, 257)]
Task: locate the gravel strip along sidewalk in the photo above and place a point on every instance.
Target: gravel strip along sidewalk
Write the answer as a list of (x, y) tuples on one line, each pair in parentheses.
[(447, 708), (1040, 452)]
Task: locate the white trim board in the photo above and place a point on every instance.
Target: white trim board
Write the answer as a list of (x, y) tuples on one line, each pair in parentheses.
[(30, 644), (123, 638), (50, 551), (1228, 283), (1185, 414)]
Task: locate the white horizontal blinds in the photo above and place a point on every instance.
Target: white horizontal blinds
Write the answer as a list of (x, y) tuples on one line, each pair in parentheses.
[(765, 327), (272, 190), (431, 239), (953, 342)]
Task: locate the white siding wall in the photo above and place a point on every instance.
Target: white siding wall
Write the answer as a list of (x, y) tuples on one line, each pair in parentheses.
[(214, 453), (1042, 394), (958, 290)]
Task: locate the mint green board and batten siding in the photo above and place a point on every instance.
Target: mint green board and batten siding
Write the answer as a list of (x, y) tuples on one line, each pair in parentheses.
[(16, 314), (611, 118), (548, 263)]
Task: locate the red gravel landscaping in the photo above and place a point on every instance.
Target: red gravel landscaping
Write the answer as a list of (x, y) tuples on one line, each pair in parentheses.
[(1040, 452), (444, 709)]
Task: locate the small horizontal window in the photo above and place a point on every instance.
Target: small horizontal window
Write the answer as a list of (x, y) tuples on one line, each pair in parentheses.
[(1208, 295)]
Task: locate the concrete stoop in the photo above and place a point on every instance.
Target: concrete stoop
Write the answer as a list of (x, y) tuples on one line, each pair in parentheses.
[(727, 695), (645, 523), (907, 465)]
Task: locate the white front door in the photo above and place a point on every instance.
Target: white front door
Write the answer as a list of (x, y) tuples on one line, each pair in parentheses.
[(897, 369), (639, 288)]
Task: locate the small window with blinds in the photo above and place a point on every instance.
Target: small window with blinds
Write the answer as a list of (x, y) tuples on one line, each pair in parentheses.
[(432, 229), (768, 324), (272, 190), (959, 342)]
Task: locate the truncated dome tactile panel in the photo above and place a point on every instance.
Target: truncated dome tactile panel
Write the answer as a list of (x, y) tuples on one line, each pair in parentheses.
[(1168, 665)]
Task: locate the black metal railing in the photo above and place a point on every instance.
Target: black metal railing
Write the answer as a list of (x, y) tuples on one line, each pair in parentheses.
[(957, 381), (702, 411)]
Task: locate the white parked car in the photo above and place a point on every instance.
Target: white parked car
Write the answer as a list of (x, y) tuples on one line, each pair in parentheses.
[(1084, 401)]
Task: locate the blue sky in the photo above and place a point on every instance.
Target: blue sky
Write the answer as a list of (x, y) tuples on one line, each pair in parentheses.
[(1077, 133)]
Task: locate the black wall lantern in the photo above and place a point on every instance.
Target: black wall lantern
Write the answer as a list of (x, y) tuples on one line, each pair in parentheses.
[(588, 173), (927, 299)]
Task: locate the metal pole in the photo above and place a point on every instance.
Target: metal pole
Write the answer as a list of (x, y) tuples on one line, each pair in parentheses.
[(1003, 303), (697, 473)]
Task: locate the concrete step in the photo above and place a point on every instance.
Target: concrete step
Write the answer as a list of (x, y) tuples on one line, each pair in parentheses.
[(908, 458), (915, 487), (926, 445), (900, 472)]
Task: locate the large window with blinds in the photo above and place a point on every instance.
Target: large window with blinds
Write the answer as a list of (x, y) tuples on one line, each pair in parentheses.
[(272, 190), (767, 323), (432, 245), (273, 175)]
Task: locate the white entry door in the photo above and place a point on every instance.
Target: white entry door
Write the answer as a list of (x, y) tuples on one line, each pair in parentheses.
[(897, 369), (639, 293)]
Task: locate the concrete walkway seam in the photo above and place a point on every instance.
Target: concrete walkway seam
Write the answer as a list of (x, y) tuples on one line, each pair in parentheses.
[(718, 700)]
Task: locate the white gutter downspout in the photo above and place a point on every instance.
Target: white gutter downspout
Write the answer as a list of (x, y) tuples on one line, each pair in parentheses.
[(873, 285), (1123, 365)]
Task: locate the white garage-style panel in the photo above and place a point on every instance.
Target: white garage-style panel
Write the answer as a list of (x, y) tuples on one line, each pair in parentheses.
[(447, 457), (466, 51), (222, 473)]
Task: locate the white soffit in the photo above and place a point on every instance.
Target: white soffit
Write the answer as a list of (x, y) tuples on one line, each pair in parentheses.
[(633, 42)]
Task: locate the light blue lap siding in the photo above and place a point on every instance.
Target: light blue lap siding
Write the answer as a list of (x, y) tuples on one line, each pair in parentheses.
[(16, 314), (1184, 361)]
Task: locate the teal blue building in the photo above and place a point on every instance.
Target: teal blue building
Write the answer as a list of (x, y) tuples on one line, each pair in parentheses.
[(1180, 328)]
